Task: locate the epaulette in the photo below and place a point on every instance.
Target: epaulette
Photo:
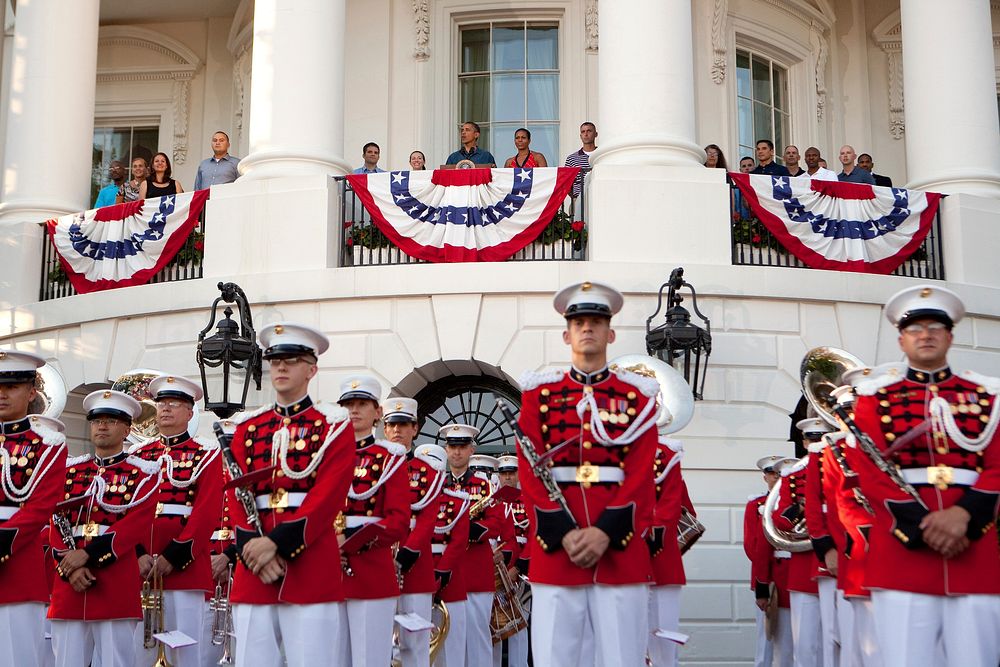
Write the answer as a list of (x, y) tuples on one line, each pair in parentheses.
[(461, 495), (816, 447), (333, 413), (139, 445), (881, 377), (989, 383), (77, 460), (148, 467), (394, 448), (207, 443), (50, 436), (756, 496), (648, 386), (836, 436), (672, 444), (792, 469), (254, 413), (532, 379)]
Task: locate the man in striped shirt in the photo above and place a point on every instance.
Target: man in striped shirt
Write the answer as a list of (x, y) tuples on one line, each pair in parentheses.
[(581, 158)]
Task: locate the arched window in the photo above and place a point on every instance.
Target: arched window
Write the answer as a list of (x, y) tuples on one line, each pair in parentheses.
[(762, 101), (470, 400)]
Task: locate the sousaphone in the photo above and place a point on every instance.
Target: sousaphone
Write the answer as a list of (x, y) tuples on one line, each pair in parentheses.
[(50, 388), (675, 394)]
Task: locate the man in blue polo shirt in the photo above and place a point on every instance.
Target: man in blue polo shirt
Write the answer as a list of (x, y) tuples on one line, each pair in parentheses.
[(469, 135), (219, 169), (852, 173), (765, 160)]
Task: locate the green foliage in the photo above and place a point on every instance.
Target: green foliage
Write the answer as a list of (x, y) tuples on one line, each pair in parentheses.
[(564, 228), (366, 235)]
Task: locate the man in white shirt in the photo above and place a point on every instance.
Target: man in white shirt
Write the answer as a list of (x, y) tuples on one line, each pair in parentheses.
[(814, 170)]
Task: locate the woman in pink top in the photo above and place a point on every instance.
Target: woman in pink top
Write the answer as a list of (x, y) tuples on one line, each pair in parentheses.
[(525, 158)]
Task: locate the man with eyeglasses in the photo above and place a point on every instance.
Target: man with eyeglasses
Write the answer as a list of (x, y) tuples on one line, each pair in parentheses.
[(298, 456), (933, 564), (186, 515)]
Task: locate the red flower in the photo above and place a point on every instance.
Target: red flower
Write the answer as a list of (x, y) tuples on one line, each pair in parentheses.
[(736, 216), (755, 238), (199, 245), (577, 226), (348, 224), (350, 241)]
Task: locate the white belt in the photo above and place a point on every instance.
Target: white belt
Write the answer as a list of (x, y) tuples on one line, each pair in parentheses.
[(413, 522), (221, 535), (168, 509), (358, 521), (589, 474), (782, 554), (290, 500), (943, 474), (78, 531), (438, 548), (824, 508), (521, 540), (8, 512)]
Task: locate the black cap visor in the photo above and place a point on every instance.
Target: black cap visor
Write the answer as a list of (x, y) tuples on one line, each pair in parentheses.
[(912, 316)]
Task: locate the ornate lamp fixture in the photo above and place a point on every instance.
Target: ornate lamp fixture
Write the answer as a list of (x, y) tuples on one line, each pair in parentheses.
[(678, 341), (233, 347)]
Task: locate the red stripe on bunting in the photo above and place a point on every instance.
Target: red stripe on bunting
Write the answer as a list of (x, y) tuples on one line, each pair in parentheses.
[(813, 259), (843, 190), (117, 212), (477, 176), (170, 249), (448, 253)]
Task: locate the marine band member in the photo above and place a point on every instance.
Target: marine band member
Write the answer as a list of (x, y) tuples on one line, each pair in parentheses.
[(518, 561), (668, 567)]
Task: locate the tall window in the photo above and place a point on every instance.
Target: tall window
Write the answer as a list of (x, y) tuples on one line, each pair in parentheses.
[(509, 78), (762, 99), (121, 141)]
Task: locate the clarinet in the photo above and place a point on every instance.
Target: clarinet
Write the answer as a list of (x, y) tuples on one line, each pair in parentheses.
[(61, 522), (541, 470), (243, 494), (845, 467)]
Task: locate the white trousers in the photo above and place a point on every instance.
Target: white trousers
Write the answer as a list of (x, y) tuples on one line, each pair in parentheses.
[(369, 628), (859, 644), (517, 645), (828, 621), (617, 614), (210, 653), (296, 635), (664, 614), (97, 643), (415, 647), (780, 649), (22, 634), (478, 637), (806, 629), (912, 626), (453, 652), (184, 611)]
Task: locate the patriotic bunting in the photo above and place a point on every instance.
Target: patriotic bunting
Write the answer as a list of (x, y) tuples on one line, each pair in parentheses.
[(841, 226)]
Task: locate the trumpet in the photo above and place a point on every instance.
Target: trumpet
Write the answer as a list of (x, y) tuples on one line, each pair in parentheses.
[(222, 620), (152, 616)]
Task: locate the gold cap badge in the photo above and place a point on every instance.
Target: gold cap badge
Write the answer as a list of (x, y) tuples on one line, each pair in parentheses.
[(107, 394), (279, 329), (354, 384), (925, 292)]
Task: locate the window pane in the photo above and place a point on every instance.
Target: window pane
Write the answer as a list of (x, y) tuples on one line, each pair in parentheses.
[(543, 48), (475, 93), (761, 82), (508, 97), (780, 89), (545, 140), (745, 151), (746, 122), (144, 143), (543, 96), (742, 74), (475, 50), (508, 48), (503, 137), (779, 138), (761, 122)]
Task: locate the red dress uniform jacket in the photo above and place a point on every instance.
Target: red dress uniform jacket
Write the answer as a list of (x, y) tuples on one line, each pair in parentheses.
[(851, 515), (599, 430), (509, 548), (108, 526), (188, 511), (668, 568), (766, 567), (316, 444), (959, 454), (450, 544), (517, 515), (34, 463), (477, 566), (415, 555), (380, 493), (803, 568), (825, 529)]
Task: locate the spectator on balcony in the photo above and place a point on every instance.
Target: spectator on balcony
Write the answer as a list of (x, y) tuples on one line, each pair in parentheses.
[(765, 160), (417, 161), (865, 162), (813, 168), (525, 158), (129, 191), (715, 158), (107, 194), (746, 165), (822, 163), (791, 156), (851, 172), (371, 153), (220, 168), (739, 202), (469, 136), (159, 183), (581, 158)]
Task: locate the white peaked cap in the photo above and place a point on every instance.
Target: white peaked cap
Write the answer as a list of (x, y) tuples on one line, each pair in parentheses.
[(112, 403), (924, 302), (588, 298), (360, 386), (432, 455), (399, 409), (174, 386), (508, 463), (289, 339), (458, 433)]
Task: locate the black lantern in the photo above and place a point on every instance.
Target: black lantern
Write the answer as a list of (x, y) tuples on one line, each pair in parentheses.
[(233, 346), (679, 342)]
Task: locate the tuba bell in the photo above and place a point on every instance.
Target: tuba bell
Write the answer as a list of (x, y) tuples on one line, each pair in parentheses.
[(675, 393), (797, 539), (50, 388)]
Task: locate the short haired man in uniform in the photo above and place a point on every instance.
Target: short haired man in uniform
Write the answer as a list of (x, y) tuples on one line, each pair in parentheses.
[(95, 600), (768, 568), (186, 516), (934, 562), (477, 566), (33, 457), (599, 426), (288, 591), (379, 494), (222, 551)]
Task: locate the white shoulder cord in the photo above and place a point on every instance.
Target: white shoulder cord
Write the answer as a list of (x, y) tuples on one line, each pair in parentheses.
[(99, 486), (943, 421), (441, 530), (20, 494), (433, 492), (393, 464), (168, 462), (279, 450), (641, 424)]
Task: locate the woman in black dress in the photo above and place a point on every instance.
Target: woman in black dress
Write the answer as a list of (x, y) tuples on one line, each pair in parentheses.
[(159, 182)]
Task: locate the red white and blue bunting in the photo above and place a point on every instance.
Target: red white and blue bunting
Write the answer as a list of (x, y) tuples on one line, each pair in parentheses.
[(841, 226), (125, 244), (463, 215)]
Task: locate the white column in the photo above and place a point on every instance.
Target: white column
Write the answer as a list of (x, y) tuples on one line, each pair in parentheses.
[(50, 115), (297, 89), (646, 84), (952, 135)]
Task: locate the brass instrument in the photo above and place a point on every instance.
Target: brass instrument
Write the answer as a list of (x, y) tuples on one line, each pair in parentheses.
[(440, 630), (674, 400), (797, 539), (50, 397), (507, 616), (152, 616), (222, 620)]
